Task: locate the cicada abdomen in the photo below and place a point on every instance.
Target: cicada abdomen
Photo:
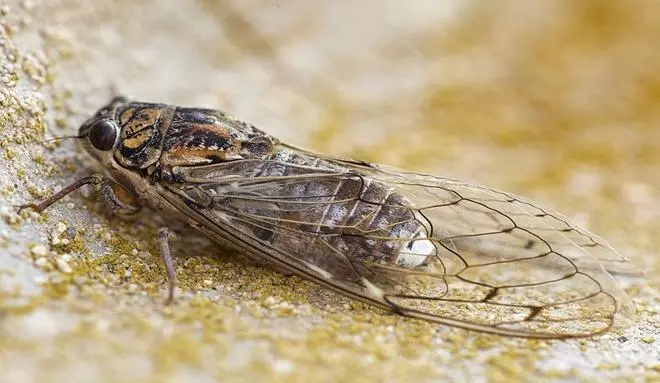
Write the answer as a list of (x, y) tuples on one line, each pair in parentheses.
[(294, 200)]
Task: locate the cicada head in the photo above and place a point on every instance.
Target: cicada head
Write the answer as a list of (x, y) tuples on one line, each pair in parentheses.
[(131, 133)]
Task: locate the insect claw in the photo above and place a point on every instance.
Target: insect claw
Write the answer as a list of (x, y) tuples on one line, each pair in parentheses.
[(32, 206)]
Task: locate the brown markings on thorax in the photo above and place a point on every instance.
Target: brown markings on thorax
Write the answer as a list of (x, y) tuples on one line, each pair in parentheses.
[(205, 136), (164, 136), (197, 137)]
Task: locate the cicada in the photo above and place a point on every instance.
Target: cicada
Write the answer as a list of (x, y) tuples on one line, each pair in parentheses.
[(418, 245)]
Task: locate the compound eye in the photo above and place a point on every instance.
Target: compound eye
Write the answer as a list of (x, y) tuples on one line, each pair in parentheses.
[(103, 135)]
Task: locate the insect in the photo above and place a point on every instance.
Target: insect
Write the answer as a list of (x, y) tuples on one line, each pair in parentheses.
[(418, 245)]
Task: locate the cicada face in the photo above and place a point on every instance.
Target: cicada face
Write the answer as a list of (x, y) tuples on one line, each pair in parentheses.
[(100, 133), (130, 134)]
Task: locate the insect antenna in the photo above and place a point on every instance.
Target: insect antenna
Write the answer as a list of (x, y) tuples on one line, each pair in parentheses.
[(60, 138)]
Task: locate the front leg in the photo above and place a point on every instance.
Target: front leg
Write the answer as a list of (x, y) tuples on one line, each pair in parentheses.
[(95, 180), (121, 202)]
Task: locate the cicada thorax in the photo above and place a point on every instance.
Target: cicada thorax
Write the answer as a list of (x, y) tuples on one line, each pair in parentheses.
[(200, 137), (164, 136)]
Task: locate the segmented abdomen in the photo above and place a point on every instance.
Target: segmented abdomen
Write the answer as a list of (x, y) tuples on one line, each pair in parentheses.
[(327, 218)]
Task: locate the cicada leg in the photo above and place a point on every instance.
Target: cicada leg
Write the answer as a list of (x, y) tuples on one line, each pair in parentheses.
[(163, 238), (114, 196), (95, 180), (120, 202)]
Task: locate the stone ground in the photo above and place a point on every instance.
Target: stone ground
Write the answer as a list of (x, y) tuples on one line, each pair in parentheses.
[(461, 89)]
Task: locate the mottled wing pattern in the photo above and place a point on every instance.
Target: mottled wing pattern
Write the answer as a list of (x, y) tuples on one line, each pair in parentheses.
[(493, 261)]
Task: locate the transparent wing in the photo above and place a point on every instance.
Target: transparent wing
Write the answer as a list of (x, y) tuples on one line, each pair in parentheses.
[(509, 263), (422, 246)]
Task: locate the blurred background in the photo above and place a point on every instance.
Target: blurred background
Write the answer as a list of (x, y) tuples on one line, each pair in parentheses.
[(554, 100)]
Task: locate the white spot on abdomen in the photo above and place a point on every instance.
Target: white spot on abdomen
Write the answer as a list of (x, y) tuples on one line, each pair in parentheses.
[(415, 252)]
